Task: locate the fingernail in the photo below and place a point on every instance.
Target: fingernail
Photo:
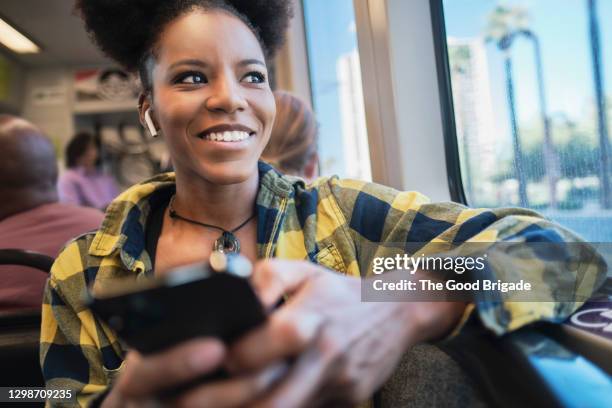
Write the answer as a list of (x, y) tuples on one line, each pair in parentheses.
[(271, 375), (205, 357)]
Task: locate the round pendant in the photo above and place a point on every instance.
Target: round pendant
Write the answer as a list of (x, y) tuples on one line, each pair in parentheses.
[(227, 243)]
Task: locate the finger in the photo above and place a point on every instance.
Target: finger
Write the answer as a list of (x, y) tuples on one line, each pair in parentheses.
[(273, 278), (236, 392), (301, 385), (148, 375), (287, 333)]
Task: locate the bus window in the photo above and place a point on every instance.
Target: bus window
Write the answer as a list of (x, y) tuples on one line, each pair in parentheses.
[(335, 77), (532, 107)]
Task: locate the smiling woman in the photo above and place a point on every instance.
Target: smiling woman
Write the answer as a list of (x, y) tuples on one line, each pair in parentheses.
[(202, 89), (203, 68)]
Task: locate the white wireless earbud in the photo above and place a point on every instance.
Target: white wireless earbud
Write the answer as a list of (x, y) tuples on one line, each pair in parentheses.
[(149, 122)]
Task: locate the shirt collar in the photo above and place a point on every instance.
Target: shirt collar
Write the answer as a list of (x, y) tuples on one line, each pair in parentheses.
[(123, 228)]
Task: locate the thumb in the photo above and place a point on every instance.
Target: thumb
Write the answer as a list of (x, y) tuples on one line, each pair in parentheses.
[(274, 278)]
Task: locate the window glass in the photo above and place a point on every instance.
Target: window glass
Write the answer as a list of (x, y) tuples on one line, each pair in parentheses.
[(532, 88), (335, 76)]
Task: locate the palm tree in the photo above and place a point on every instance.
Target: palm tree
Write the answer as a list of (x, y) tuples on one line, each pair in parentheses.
[(504, 25), (550, 155), (604, 142)]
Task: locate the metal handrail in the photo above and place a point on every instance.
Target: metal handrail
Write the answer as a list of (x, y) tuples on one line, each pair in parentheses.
[(26, 258)]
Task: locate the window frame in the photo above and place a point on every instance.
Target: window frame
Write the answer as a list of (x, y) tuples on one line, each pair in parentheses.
[(291, 63), (447, 106), (401, 94)]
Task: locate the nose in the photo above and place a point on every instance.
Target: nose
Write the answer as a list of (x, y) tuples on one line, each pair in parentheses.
[(226, 95)]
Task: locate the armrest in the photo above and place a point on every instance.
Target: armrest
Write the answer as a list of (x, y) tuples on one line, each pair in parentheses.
[(529, 368)]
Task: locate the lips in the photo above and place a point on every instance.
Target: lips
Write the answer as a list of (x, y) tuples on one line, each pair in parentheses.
[(226, 133)]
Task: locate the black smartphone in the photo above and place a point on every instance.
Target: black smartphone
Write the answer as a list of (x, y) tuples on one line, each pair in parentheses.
[(213, 299)]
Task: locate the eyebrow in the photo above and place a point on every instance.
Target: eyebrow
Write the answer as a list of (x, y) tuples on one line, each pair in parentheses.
[(202, 64), (196, 62), (252, 61)]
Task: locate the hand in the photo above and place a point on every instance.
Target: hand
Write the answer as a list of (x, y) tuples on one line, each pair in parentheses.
[(344, 349), (145, 377)]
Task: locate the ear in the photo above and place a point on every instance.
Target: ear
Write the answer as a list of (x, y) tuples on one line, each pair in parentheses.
[(144, 105)]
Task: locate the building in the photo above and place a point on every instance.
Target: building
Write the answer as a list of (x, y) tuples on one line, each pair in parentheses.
[(354, 131)]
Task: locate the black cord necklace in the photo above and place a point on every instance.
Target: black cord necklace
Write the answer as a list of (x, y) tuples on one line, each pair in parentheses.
[(227, 242)]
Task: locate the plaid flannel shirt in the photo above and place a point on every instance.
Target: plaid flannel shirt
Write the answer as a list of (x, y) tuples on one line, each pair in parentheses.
[(330, 222)]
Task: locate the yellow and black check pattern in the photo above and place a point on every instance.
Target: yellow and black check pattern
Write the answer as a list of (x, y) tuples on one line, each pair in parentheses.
[(333, 222)]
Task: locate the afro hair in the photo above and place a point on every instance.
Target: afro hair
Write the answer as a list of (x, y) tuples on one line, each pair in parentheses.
[(126, 30)]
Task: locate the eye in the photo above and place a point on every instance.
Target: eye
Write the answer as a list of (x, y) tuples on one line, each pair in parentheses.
[(255, 78), (191, 78)]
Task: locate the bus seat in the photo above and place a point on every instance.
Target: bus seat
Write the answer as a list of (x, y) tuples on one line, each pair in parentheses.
[(19, 338), (20, 329), (426, 376)]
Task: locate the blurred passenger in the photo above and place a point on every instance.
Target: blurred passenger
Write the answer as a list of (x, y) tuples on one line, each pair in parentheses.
[(292, 148), (83, 183), (30, 216)]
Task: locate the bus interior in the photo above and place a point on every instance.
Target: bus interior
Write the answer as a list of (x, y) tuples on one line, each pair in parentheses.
[(486, 103)]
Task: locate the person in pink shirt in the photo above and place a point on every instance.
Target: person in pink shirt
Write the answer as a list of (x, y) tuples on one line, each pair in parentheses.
[(31, 217), (83, 183)]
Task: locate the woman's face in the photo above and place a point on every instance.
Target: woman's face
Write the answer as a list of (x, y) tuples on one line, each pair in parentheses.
[(211, 96), (90, 156)]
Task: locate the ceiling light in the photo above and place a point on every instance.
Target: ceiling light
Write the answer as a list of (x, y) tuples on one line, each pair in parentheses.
[(16, 41)]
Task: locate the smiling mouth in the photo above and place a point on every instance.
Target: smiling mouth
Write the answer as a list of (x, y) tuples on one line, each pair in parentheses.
[(227, 136)]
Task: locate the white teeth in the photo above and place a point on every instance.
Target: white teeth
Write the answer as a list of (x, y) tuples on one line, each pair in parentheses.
[(234, 136)]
